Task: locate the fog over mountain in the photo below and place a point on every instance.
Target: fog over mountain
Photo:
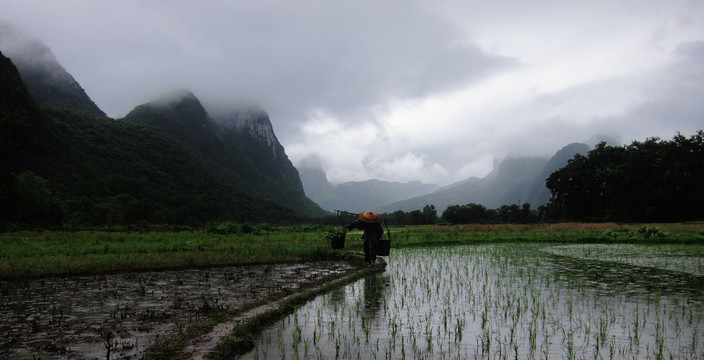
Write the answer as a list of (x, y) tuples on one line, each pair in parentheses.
[(516, 180), (356, 196), (46, 79), (397, 91), (166, 161)]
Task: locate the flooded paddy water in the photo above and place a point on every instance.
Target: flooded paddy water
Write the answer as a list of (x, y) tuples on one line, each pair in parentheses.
[(89, 317), (507, 301)]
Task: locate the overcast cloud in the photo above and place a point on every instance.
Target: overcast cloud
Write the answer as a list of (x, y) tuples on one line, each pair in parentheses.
[(397, 90)]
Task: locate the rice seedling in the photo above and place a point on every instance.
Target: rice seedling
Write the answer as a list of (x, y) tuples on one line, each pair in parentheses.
[(515, 300)]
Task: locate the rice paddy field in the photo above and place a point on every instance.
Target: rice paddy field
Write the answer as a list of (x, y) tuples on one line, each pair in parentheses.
[(508, 300), (545, 291)]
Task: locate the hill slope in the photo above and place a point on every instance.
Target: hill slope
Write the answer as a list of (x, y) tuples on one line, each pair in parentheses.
[(516, 180), (48, 82), (248, 157), (63, 165), (357, 196)]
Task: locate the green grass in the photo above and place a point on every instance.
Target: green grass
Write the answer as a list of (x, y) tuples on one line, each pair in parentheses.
[(34, 254), (31, 254), (689, 233)]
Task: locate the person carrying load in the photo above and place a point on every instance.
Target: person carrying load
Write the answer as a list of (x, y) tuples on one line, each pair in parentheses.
[(373, 231)]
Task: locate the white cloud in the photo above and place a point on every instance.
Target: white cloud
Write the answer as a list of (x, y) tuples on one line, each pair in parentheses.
[(397, 90)]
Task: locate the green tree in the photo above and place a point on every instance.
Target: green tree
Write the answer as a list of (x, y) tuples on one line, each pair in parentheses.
[(430, 214), (35, 202), (467, 214), (652, 180), (415, 217)]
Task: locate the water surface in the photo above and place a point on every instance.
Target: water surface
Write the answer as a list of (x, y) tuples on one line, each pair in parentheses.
[(526, 301)]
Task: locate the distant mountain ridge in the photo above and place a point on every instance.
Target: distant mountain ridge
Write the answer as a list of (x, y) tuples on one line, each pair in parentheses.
[(357, 196), (516, 180)]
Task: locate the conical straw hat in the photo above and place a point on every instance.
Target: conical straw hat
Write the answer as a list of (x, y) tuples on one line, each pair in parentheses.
[(369, 217)]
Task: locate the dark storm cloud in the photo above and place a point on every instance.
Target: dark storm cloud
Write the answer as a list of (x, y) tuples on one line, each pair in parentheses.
[(674, 101), (397, 90), (343, 59)]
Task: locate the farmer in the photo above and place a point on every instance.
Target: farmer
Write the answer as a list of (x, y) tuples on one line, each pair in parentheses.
[(369, 222)]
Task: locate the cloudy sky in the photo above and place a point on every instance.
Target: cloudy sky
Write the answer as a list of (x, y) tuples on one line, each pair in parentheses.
[(397, 90)]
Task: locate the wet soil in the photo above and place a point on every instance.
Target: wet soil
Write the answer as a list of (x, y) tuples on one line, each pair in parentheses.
[(120, 315)]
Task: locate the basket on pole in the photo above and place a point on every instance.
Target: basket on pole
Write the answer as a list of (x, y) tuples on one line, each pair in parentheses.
[(336, 236), (384, 246)]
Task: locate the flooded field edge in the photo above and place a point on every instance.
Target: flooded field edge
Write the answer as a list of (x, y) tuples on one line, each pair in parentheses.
[(241, 339), (504, 301)]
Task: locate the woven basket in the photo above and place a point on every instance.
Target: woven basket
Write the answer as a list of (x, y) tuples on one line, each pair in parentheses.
[(383, 247), (337, 241)]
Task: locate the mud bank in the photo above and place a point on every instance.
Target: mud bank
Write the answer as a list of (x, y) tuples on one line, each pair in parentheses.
[(121, 315)]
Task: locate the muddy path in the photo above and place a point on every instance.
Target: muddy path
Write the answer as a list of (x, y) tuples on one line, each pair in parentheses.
[(121, 315)]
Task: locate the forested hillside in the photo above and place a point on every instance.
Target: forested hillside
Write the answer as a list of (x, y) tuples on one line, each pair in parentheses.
[(64, 166), (260, 169)]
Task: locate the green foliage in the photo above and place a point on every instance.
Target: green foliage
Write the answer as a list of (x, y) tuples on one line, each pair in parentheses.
[(617, 234), (333, 233), (14, 96), (468, 214), (226, 228), (514, 214), (479, 214), (651, 233), (428, 215), (647, 181), (35, 202), (645, 233), (44, 253), (111, 173), (27, 254)]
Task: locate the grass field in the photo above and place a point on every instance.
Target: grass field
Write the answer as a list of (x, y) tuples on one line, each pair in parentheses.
[(34, 254)]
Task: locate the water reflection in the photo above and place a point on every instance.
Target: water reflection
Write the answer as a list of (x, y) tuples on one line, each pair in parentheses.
[(374, 286), (615, 277)]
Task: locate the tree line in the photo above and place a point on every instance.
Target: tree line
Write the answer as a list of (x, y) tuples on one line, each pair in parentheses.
[(455, 214), (647, 181), (465, 214)]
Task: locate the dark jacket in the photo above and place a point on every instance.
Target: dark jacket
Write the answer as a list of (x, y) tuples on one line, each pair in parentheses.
[(373, 229)]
